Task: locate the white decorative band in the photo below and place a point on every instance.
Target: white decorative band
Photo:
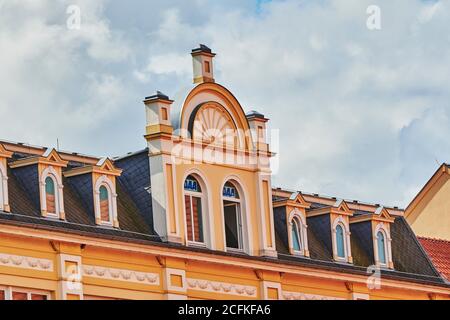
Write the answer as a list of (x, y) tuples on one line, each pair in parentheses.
[(10, 260), (222, 287), (121, 275), (305, 296)]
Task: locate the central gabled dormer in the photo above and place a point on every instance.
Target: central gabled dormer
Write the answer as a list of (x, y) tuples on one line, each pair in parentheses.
[(210, 172)]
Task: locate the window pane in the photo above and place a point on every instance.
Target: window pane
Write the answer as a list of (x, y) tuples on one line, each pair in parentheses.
[(2, 295), (229, 191), (187, 204), (38, 297), (19, 296), (191, 184), (198, 219), (381, 248), (50, 195), (104, 204), (340, 242), (49, 186), (295, 236), (232, 228)]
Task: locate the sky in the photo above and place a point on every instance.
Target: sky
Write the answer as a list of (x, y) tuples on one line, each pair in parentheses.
[(362, 113)]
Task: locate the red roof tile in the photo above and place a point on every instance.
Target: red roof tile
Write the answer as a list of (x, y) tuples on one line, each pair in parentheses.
[(439, 252)]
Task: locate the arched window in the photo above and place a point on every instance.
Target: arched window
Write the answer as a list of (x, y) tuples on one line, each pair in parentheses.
[(105, 215), (3, 187), (381, 243), (340, 241), (105, 202), (50, 196), (296, 235), (193, 198), (232, 208)]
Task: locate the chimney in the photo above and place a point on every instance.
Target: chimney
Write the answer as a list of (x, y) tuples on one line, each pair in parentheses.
[(202, 59), (158, 114), (257, 123)]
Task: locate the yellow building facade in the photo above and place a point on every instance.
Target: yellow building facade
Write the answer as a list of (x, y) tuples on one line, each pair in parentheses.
[(194, 216), (429, 212)]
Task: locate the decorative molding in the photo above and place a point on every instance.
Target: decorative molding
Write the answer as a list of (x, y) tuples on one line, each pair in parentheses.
[(306, 296), (222, 287), (121, 275), (10, 260)]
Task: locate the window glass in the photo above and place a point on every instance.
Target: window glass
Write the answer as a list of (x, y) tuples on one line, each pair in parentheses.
[(193, 209), (2, 295), (233, 226), (19, 295), (38, 297), (50, 195), (381, 247), (104, 204), (194, 219), (340, 242), (191, 184), (230, 191), (295, 235)]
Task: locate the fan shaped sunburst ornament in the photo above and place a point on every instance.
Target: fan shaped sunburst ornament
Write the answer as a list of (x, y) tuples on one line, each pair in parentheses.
[(212, 124)]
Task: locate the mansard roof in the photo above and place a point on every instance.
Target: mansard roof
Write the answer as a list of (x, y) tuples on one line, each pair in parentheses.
[(136, 221)]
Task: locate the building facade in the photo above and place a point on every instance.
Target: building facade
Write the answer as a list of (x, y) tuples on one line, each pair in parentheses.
[(429, 212), (194, 216)]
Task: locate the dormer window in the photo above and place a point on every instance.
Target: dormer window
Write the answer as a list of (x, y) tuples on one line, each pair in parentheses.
[(52, 203), (105, 200), (50, 196), (381, 243), (105, 213), (296, 243), (340, 242), (297, 232)]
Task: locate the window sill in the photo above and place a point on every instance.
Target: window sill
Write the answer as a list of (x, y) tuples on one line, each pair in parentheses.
[(196, 244)]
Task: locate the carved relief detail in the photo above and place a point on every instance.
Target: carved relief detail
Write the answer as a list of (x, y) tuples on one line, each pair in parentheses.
[(10, 260), (121, 275), (222, 287), (306, 296)]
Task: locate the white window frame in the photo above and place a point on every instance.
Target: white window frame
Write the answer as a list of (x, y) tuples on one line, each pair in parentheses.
[(302, 229), (104, 181), (347, 249), (51, 173), (201, 196), (381, 227), (4, 201), (9, 290), (240, 202)]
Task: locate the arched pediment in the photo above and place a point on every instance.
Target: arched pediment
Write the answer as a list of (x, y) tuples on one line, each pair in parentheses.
[(215, 110)]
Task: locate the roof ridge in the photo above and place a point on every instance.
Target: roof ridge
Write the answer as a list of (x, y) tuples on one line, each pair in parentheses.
[(433, 239)]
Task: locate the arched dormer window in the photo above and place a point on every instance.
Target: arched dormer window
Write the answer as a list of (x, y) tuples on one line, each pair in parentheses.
[(194, 201), (234, 217), (52, 203), (382, 246), (105, 201), (381, 243), (297, 231), (3, 188), (341, 240), (296, 235), (50, 195), (105, 207)]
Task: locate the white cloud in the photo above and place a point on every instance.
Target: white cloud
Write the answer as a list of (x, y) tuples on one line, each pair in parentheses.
[(362, 114)]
